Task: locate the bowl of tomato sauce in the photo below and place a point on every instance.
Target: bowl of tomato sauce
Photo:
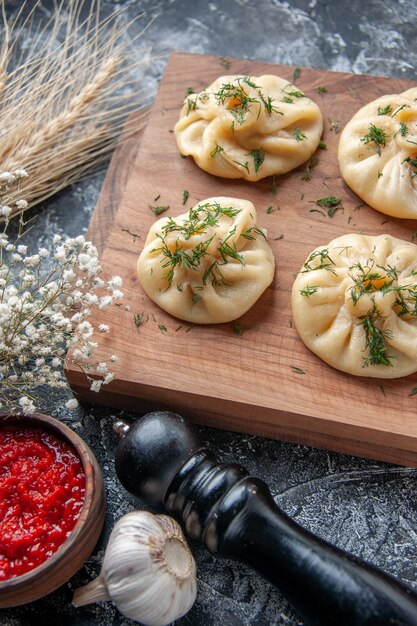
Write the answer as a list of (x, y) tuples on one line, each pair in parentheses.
[(52, 506)]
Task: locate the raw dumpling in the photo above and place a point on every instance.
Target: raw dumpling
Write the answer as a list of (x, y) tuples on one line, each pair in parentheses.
[(378, 154), (209, 265), (249, 127), (354, 304)]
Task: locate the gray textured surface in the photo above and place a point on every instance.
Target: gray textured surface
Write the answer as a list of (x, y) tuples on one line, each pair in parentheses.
[(366, 507)]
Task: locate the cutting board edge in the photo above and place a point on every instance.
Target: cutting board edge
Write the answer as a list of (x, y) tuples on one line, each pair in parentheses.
[(270, 422)]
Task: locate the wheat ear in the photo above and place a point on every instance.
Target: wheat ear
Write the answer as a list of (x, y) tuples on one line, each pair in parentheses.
[(64, 106), (42, 139)]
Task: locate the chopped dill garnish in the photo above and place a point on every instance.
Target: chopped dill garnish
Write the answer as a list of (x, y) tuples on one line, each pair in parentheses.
[(134, 235), (309, 290), (334, 125), (298, 134), (353, 93), (376, 136), (196, 298), (413, 164), (296, 74), (235, 98), (225, 62), (249, 233), (320, 89), (375, 339), (191, 104), (297, 370), (313, 160), (237, 328), (270, 209), (322, 145), (385, 110), (159, 209), (185, 196), (199, 219), (189, 91), (400, 108), (323, 260), (216, 150), (331, 203), (229, 250), (413, 392), (270, 108), (138, 319), (258, 157), (162, 328), (244, 165), (157, 197), (293, 93)]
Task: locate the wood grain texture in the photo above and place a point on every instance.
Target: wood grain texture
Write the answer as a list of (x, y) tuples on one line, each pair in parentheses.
[(74, 552), (249, 383)]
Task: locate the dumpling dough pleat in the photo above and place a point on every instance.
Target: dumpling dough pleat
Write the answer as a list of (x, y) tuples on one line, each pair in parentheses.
[(249, 127), (378, 154), (354, 305), (209, 265)]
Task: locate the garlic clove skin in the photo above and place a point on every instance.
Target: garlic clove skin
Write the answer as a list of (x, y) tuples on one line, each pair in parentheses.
[(148, 570)]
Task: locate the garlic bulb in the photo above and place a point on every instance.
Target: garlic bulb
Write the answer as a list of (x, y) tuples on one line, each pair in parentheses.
[(148, 570)]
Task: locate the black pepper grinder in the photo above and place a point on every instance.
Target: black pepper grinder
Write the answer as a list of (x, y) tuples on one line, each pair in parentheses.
[(161, 459)]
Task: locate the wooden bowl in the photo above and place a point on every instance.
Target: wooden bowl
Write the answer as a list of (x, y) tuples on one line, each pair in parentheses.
[(76, 549)]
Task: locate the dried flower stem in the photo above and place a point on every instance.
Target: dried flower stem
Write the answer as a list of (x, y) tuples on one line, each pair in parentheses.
[(64, 102)]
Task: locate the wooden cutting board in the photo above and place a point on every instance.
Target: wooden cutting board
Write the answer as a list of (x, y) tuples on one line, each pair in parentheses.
[(264, 381)]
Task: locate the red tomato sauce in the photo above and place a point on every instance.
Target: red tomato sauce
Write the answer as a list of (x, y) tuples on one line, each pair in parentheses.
[(42, 491)]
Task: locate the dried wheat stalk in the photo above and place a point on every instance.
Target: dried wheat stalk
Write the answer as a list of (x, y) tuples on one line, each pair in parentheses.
[(64, 100)]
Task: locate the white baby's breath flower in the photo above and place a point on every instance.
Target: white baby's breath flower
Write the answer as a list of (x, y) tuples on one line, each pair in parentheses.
[(26, 405), (72, 404), (21, 173), (38, 320), (117, 294), (32, 261), (115, 282), (91, 298), (22, 204), (104, 302), (96, 385), (60, 253), (98, 283), (7, 177), (114, 358), (102, 368), (5, 210)]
